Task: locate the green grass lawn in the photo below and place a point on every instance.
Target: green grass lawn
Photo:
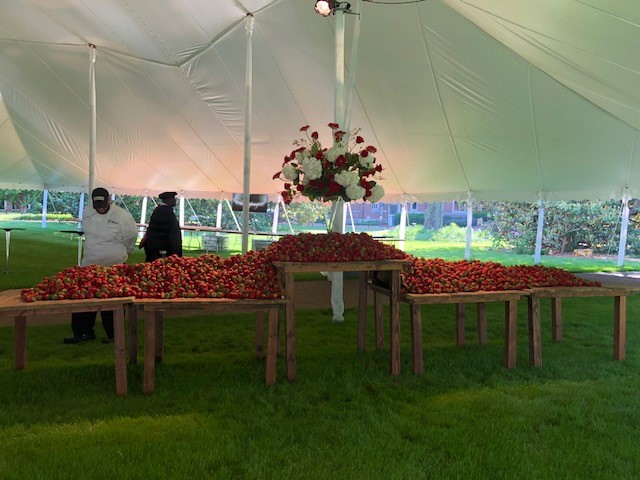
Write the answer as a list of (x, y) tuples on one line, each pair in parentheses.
[(212, 416)]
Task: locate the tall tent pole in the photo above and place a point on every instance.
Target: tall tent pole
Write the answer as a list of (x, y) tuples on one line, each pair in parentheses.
[(622, 247), (276, 214), (538, 251), (80, 211), (45, 200), (467, 250), (143, 215), (92, 121), (336, 278), (350, 93), (402, 231), (219, 215), (248, 81)]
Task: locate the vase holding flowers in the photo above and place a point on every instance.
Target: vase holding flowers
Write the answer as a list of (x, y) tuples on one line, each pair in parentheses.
[(345, 171)]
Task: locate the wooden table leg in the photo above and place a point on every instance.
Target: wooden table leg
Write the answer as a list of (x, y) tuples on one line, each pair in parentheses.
[(416, 339), (362, 310), (510, 333), (481, 308), (260, 334), (556, 319), (20, 323), (133, 334), (120, 351), (535, 331), (394, 324), (290, 327), (619, 327), (159, 316), (379, 326), (149, 352), (460, 323), (272, 347)]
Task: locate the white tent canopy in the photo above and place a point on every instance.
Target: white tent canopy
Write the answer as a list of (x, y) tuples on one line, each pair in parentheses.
[(488, 99)]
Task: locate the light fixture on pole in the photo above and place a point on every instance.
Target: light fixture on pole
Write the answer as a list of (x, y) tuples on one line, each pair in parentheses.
[(328, 7)]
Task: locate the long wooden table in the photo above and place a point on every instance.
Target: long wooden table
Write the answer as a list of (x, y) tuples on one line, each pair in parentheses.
[(556, 294), (154, 310), (415, 301), (11, 305), (286, 272)]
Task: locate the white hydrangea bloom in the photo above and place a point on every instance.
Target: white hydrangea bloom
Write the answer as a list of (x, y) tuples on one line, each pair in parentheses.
[(366, 162), (301, 156), (377, 192), (354, 192), (312, 168), (346, 178), (334, 152), (289, 172)]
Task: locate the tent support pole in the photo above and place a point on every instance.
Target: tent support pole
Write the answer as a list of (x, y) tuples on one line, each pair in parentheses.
[(276, 214), (143, 215), (248, 100), (219, 215), (623, 230), (538, 251), (402, 234), (467, 250), (92, 127), (45, 200), (80, 211)]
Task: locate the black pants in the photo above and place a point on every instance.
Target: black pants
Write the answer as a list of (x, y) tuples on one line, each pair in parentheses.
[(83, 322)]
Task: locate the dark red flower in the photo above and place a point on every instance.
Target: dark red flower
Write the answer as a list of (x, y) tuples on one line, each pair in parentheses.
[(372, 149), (359, 139), (305, 128), (314, 135), (276, 175), (333, 126)]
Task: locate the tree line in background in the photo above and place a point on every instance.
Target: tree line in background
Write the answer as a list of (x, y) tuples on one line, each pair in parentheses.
[(567, 225)]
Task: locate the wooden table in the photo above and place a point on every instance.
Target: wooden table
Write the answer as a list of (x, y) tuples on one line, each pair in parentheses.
[(556, 294), (415, 301), (287, 270), (154, 310), (12, 305)]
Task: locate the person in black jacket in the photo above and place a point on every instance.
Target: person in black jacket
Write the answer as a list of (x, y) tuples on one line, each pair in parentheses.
[(163, 237)]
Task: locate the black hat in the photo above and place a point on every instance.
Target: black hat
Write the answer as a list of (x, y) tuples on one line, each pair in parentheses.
[(167, 195), (100, 198)]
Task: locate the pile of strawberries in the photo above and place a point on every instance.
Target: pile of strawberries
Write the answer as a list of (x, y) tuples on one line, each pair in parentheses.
[(208, 276), (435, 275), (253, 275), (332, 247)]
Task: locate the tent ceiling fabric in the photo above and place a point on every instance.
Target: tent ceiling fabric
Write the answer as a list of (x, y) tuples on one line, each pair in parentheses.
[(488, 99)]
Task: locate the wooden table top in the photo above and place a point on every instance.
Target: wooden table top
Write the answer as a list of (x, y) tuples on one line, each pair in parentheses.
[(557, 292), (12, 303)]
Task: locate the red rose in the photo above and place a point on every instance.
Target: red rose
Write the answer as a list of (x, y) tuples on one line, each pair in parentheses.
[(276, 176), (314, 135), (359, 139), (371, 149), (333, 126), (305, 128)]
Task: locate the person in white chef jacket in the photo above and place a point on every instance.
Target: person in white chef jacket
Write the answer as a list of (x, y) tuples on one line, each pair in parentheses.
[(110, 236)]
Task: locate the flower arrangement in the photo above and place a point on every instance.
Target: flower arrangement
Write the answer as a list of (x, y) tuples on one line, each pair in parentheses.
[(344, 171)]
